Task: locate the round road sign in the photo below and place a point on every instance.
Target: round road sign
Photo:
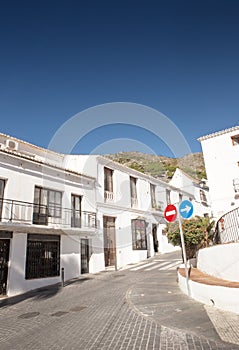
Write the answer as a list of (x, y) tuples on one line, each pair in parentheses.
[(170, 213)]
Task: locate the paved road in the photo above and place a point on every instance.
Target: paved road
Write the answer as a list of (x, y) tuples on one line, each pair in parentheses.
[(140, 307)]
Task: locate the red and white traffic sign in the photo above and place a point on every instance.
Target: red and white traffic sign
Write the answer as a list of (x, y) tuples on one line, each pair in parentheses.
[(170, 213)]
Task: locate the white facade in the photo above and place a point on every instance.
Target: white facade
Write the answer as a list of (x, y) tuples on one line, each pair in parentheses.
[(221, 157), (24, 168), (77, 213), (197, 192)]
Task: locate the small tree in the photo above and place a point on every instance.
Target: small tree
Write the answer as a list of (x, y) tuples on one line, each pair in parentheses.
[(197, 233)]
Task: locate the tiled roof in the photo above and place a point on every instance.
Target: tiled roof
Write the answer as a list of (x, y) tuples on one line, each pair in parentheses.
[(218, 133)]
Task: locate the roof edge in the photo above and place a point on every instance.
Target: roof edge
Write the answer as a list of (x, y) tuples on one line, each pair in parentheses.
[(218, 133)]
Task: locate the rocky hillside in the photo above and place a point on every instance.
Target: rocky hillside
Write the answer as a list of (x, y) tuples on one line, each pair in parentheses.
[(161, 167)]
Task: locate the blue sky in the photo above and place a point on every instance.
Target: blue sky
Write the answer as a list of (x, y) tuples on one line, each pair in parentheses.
[(59, 58)]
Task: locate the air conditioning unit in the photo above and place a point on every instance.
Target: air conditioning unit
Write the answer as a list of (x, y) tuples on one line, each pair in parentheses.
[(12, 145)]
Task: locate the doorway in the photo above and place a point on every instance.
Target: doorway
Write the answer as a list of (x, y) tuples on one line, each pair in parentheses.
[(109, 240), (84, 255), (4, 258), (155, 238)]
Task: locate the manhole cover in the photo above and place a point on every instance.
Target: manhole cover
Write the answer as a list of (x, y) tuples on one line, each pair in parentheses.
[(29, 315), (78, 308), (59, 313)]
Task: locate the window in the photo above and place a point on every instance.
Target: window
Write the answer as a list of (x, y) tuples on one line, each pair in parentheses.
[(139, 240), (235, 140), (203, 196), (168, 196), (108, 179), (46, 203), (76, 211), (236, 185), (43, 256), (2, 186), (133, 191), (108, 184), (153, 195)]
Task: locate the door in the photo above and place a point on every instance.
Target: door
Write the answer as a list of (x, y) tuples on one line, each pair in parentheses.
[(109, 240), (4, 257), (84, 256), (76, 210), (155, 238)]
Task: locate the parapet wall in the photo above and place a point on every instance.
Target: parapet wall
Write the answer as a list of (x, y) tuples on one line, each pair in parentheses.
[(221, 261)]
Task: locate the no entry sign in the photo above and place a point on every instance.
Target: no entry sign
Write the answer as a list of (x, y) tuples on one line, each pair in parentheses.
[(170, 213)]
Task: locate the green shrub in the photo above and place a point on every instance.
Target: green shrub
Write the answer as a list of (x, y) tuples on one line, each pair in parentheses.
[(197, 234)]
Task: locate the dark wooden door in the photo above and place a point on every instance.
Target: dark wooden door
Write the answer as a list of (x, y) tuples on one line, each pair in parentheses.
[(84, 256), (109, 240), (4, 257), (155, 238)]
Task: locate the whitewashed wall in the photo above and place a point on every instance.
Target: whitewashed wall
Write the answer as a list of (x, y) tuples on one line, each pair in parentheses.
[(221, 162)]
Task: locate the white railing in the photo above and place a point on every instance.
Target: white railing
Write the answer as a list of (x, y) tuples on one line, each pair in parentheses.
[(109, 196)]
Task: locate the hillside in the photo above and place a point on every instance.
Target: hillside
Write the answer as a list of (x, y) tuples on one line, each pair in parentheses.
[(161, 167)]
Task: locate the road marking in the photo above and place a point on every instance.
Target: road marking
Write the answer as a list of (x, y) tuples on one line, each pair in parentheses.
[(170, 266), (155, 267), (143, 266)]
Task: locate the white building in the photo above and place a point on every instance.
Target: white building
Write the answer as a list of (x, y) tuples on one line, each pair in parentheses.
[(129, 206), (197, 192), (221, 157), (77, 213), (48, 220)]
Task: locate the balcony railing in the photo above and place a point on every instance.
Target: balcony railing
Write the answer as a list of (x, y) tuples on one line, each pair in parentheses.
[(227, 228), (158, 206), (109, 196), (29, 213), (134, 202)]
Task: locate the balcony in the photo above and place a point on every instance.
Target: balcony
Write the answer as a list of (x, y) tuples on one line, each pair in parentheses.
[(134, 202), (18, 212), (157, 206), (109, 196)]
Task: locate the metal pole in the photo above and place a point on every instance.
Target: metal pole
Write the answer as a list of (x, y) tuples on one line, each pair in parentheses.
[(184, 253)]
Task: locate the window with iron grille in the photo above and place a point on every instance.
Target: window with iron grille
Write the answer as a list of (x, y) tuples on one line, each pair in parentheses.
[(43, 256), (139, 239)]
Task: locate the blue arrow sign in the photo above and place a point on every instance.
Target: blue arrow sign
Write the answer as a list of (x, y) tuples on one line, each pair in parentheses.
[(186, 209)]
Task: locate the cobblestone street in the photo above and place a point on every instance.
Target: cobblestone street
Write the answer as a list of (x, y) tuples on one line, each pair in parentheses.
[(127, 309)]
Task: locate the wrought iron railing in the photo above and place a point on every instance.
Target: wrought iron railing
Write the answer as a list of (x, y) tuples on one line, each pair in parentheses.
[(29, 213), (227, 227)]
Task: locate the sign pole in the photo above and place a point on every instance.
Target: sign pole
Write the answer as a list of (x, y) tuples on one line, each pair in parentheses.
[(184, 254)]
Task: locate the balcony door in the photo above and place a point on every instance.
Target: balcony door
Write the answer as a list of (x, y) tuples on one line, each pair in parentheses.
[(76, 210), (108, 185), (109, 240)]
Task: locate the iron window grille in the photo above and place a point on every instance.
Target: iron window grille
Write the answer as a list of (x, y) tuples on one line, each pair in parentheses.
[(43, 256)]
